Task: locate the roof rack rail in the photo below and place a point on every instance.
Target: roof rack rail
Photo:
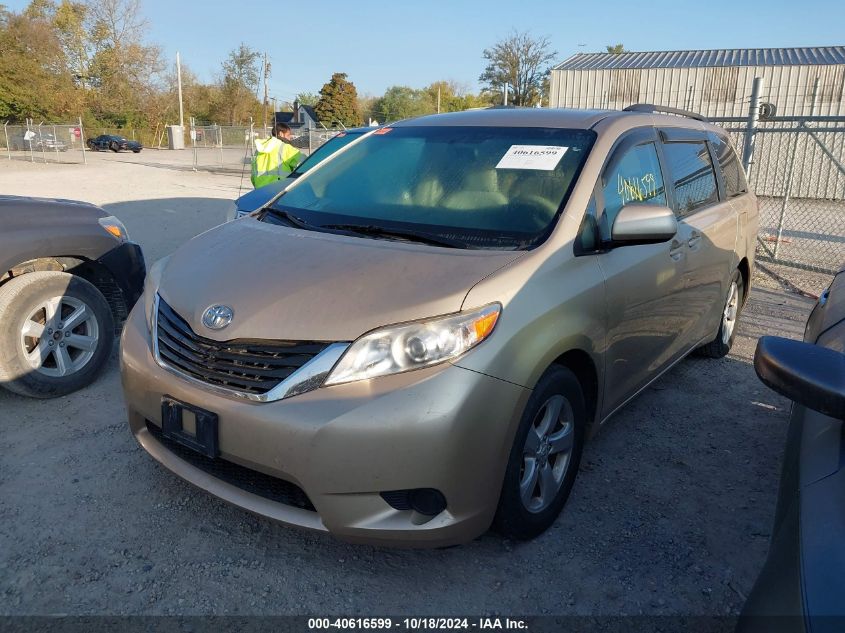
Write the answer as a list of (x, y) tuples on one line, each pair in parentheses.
[(650, 107)]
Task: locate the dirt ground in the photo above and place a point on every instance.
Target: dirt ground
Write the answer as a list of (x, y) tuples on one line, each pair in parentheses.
[(671, 512)]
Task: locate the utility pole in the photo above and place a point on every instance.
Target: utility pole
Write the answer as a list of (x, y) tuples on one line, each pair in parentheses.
[(179, 85), (505, 94), (266, 98), (751, 128)]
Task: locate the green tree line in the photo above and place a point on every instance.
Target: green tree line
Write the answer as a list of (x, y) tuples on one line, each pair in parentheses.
[(67, 58), (63, 59)]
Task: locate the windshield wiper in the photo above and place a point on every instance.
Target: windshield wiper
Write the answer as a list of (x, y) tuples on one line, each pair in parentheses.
[(289, 217), (399, 234)]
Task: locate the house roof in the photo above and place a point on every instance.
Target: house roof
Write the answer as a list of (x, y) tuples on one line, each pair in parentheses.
[(808, 56), (287, 117)]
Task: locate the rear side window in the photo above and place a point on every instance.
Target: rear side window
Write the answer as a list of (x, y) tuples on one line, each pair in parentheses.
[(735, 184), (692, 176), (634, 178)]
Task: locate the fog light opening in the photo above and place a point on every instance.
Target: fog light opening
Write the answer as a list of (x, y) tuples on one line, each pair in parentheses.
[(425, 501)]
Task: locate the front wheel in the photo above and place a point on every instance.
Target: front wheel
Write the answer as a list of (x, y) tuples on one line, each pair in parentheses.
[(544, 458), (114, 147), (58, 332), (721, 345)]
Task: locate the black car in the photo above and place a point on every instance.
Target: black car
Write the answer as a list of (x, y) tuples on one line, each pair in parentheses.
[(113, 142), (802, 585), (68, 277)]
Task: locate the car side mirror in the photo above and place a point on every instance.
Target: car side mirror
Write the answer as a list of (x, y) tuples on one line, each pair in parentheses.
[(643, 224), (811, 375)]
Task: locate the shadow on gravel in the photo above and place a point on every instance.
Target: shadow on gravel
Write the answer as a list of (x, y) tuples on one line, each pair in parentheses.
[(232, 162), (160, 226)]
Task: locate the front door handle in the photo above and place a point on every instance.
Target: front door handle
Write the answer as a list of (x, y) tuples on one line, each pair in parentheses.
[(676, 250), (694, 240)]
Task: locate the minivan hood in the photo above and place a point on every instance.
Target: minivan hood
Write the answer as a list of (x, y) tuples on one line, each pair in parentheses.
[(291, 284)]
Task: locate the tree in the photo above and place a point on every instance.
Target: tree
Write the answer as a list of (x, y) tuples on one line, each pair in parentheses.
[(69, 21), (616, 49), (402, 102), (241, 76), (366, 104), (33, 79), (307, 98), (521, 61), (454, 97), (117, 30), (202, 101), (338, 102)]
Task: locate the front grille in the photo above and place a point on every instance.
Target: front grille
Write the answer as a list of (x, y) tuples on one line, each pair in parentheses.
[(247, 366), (246, 479)]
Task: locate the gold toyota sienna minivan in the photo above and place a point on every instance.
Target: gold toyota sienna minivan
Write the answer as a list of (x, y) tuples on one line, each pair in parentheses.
[(413, 341)]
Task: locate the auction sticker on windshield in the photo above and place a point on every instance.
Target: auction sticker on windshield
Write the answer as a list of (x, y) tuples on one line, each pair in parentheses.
[(540, 157)]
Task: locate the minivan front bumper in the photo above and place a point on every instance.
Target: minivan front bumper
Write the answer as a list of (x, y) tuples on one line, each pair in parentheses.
[(443, 428)]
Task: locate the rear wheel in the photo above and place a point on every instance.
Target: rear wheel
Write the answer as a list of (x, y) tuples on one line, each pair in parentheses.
[(58, 333), (721, 345), (544, 458)]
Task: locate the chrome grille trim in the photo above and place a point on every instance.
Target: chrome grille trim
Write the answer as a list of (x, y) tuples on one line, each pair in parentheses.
[(307, 376)]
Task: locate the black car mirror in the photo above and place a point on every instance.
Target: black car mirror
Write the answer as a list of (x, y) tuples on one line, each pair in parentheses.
[(811, 375)]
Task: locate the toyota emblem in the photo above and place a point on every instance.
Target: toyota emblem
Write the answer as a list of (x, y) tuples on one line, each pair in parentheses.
[(217, 317)]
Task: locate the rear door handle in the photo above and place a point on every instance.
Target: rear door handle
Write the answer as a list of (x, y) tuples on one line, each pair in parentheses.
[(694, 240), (676, 250)]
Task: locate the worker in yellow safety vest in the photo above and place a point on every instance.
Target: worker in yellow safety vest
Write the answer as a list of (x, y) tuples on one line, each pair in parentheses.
[(274, 157)]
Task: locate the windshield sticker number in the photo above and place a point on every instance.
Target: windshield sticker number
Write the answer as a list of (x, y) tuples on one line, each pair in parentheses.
[(539, 157)]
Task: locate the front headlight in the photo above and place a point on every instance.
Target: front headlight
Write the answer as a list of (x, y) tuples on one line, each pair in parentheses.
[(398, 348)]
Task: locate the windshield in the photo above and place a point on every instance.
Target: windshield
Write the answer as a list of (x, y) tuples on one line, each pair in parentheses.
[(325, 150), (486, 187)]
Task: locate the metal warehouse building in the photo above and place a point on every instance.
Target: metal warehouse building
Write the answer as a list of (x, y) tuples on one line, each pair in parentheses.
[(715, 83)]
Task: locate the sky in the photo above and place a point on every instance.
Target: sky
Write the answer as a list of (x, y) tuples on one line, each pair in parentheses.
[(380, 44)]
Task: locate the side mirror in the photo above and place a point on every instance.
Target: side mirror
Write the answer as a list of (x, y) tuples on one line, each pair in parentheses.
[(811, 375), (643, 224)]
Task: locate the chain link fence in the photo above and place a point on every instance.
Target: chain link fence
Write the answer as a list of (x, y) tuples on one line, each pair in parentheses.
[(229, 148), (44, 142), (798, 175)]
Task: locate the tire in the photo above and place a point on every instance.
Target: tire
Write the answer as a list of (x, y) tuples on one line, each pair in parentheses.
[(520, 519), (136, 151), (114, 147), (732, 308), (63, 367)]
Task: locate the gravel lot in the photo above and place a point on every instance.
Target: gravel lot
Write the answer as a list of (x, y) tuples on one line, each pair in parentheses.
[(670, 514)]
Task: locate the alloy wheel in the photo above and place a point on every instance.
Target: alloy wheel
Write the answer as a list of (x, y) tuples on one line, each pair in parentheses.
[(547, 454), (730, 313), (60, 336)]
